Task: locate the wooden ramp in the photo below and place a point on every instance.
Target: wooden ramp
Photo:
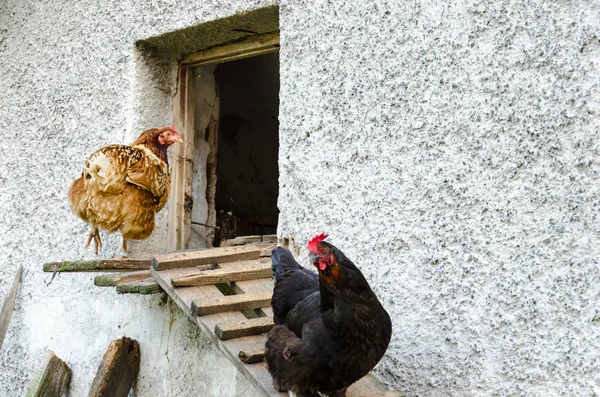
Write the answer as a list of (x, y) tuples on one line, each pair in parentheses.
[(226, 292)]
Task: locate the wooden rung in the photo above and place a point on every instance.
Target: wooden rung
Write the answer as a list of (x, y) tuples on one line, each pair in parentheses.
[(251, 272), (110, 280), (98, 265), (181, 259), (251, 357), (144, 287), (237, 329), (52, 379), (232, 303)]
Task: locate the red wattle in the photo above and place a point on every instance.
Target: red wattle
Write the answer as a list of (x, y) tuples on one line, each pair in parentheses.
[(322, 265)]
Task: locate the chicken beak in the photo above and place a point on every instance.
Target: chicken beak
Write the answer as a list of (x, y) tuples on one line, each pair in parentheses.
[(178, 139)]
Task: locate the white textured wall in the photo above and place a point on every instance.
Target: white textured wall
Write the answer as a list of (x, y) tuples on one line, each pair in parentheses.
[(71, 81), (453, 153)]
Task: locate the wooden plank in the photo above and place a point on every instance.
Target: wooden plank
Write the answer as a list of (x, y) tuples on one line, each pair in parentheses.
[(180, 212), (249, 46), (8, 306), (118, 370), (181, 259), (251, 357), (237, 329), (98, 265), (232, 303), (110, 280), (266, 252), (241, 240), (257, 270), (143, 287), (52, 379)]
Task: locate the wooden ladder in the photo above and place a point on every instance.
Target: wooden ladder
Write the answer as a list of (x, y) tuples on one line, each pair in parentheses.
[(226, 292)]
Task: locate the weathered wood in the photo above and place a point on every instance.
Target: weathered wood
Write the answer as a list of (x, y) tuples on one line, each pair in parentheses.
[(181, 259), (110, 280), (237, 329), (9, 304), (258, 270), (269, 238), (143, 287), (388, 393), (180, 211), (118, 370), (232, 303), (266, 252), (98, 265), (250, 46), (52, 379), (241, 240), (251, 357)]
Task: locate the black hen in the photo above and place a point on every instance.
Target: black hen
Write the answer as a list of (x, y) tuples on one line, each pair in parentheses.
[(330, 329)]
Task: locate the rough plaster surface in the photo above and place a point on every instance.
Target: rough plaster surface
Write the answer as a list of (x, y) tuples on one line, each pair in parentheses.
[(73, 81), (452, 151)]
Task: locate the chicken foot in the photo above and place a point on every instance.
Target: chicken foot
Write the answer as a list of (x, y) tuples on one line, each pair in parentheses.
[(94, 234)]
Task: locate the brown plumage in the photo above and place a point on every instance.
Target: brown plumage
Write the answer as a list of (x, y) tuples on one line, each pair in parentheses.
[(330, 329), (122, 187)]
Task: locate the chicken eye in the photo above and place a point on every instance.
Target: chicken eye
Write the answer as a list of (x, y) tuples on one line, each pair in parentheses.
[(324, 250)]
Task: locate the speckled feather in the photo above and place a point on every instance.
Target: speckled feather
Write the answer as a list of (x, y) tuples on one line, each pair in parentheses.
[(122, 187)]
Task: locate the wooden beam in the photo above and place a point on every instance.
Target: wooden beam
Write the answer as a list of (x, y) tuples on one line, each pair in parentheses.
[(143, 287), (232, 303), (52, 378), (110, 280), (251, 357), (118, 370), (181, 259), (179, 217), (237, 329), (99, 265), (241, 240), (211, 277), (9, 304), (248, 47)]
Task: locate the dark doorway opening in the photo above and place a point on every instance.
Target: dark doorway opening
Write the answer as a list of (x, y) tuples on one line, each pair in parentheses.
[(248, 145)]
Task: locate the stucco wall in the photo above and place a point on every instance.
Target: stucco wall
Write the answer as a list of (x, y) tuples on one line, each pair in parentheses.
[(72, 81), (452, 152)]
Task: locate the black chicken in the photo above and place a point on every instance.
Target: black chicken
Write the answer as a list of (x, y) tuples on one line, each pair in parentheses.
[(330, 329)]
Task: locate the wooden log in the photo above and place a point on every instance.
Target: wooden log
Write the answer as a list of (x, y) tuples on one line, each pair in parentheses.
[(52, 378), (251, 357), (181, 259), (98, 265), (143, 287), (118, 370), (8, 306), (251, 272), (232, 303), (237, 329), (110, 280)]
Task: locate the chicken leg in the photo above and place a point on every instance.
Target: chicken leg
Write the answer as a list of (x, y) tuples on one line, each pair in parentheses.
[(124, 248), (94, 234)]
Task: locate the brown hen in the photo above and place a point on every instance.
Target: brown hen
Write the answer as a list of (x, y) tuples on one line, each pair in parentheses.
[(123, 187)]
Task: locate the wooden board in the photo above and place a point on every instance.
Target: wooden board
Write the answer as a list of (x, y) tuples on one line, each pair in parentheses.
[(231, 303), (212, 277), (181, 259), (237, 329), (9, 304), (110, 280)]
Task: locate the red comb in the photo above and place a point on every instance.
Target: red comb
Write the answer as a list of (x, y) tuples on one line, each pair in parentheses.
[(172, 127), (312, 244)]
